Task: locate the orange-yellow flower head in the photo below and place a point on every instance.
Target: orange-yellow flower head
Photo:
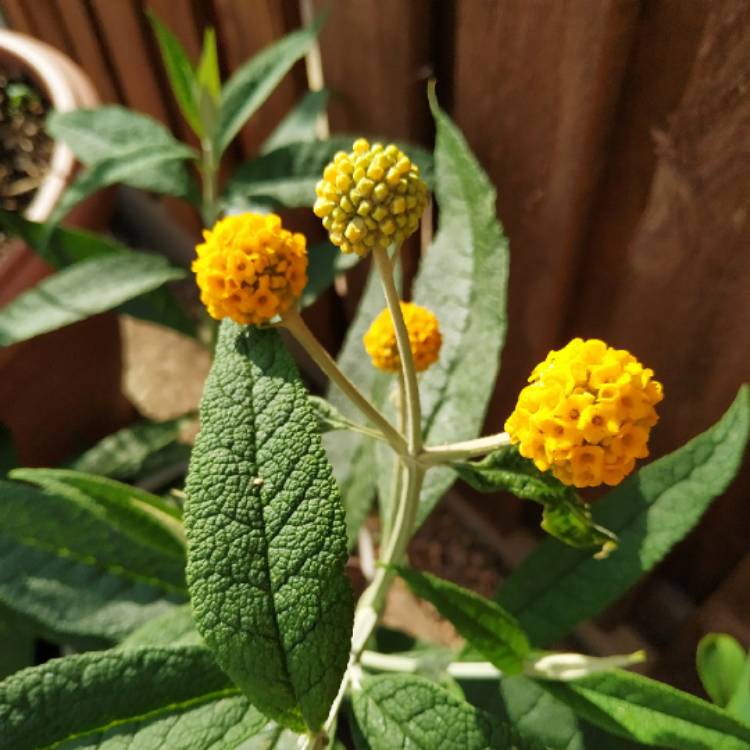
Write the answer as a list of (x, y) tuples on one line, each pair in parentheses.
[(370, 197), (249, 268), (424, 338), (586, 414)]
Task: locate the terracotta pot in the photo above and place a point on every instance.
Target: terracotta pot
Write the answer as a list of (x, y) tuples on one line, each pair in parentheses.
[(60, 391)]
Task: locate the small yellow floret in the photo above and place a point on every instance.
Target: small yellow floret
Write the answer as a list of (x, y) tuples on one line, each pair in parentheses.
[(370, 197), (586, 414), (250, 269), (424, 338)]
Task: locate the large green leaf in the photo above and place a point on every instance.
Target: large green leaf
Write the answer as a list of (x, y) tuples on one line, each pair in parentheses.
[(147, 698), (16, 644), (566, 515), (266, 533), (111, 133), (404, 711), (182, 77), (539, 718), (80, 291), (640, 709), (252, 83), (124, 168), (471, 250), (65, 568), (300, 124), (173, 628), (128, 452), (556, 586), (132, 511), (352, 454), (65, 247), (485, 625)]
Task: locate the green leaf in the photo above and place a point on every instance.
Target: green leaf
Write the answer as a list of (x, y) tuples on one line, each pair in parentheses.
[(209, 76), (300, 124), (65, 568), (352, 454), (16, 644), (146, 698), (136, 513), (252, 83), (286, 177), (111, 133), (124, 454), (556, 587), (65, 247), (739, 705), (538, 718), (566, 516), (471, 308), (651, 712), (173, 628), (328, 416), (266, 533), (182, 78), (80, 291), (325, 263), (400, 711), (720, 660), (485, 625), (122, 168)]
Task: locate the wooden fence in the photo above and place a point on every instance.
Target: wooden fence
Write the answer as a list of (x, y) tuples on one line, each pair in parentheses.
[(617, 133)]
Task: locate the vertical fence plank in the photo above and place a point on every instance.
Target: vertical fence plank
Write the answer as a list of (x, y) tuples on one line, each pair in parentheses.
[(677, 293), (16, 16), (246, 28)]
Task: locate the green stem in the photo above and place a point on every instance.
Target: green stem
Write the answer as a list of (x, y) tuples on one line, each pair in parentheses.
[(442, 454), (413, 409), (468, 670), (298, 328), (209, 170)]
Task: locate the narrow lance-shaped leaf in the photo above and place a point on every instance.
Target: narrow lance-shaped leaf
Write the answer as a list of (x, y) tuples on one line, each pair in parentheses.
[(471, 308), (208, 74), (566, 516), (182, 78), (65, 247), (556, 587), (485, 625), (405, 711), (300, 124), (73, 576), (80, 291), (252, 83), (135, 512), (643, 710), (111, 133), (146, 698), (266, 533)]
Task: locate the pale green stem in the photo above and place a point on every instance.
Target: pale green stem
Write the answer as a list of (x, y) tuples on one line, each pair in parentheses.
[(397, 477), (413, 410), (298, 328), (476, 670), (442, 454), (209, 170)]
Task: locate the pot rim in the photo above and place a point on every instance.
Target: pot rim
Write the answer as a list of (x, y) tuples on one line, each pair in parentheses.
[(43, 63)]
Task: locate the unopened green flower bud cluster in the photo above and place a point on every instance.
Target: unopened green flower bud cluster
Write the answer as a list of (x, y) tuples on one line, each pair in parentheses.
[(371, 197)]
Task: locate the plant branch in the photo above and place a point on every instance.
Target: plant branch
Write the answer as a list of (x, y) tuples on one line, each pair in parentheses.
[(413, 409), (209, 170), (442, 454), (298, 328), (468, 670)]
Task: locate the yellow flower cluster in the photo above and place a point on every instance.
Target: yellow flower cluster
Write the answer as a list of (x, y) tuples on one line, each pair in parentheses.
[(250, 269), (586, 414), (424, 338), (371, 197)]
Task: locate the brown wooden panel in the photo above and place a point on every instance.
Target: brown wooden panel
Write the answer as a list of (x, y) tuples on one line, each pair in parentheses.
[(535, 90), (133, 56), (15, 15), (47, 24), (86, 48), (376, 60), (677, 292), (244, 29)]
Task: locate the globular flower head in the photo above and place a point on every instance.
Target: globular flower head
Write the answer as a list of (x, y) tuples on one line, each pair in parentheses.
[(370, 197), (249, 268), (586, 414), (424, 338)]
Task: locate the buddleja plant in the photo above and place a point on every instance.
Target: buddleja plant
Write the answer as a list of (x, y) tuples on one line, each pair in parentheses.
[(272, 650)]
